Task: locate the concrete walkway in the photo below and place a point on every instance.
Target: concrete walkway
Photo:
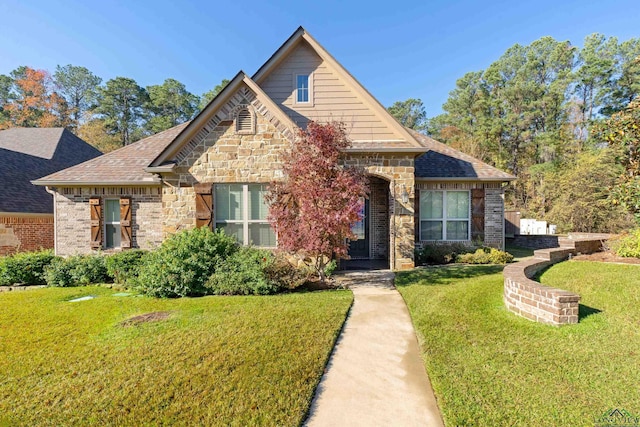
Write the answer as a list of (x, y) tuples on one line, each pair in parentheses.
[(375, 375)]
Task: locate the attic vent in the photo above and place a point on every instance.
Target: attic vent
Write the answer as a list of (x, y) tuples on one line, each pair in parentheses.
[(245, 123)]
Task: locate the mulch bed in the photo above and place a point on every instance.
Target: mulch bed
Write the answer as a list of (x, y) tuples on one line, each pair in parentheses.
[(156, 316), (607, 256)]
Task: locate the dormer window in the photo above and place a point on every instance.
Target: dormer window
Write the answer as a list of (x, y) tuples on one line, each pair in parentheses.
[(303, 89), (245, 122)]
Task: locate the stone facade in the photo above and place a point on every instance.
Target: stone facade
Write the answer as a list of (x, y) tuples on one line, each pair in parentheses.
[(73, 218), (398, 171), (25, 232), (493, 207), (223, 155)]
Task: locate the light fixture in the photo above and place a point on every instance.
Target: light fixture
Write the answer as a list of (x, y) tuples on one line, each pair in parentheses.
[(404, 196)]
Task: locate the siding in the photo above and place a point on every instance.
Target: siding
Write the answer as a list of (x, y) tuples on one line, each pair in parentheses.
[(332, 98)]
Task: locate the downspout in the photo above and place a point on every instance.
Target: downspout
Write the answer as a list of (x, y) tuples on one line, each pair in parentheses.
[(55, 219), (392, 262)]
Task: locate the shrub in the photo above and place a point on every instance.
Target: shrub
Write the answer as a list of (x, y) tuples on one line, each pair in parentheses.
[(183, 263), (485, 255), (440, 253), (286, 274), (244, 273), (123, 267), (76, 271), (629, 245), (27, 268)]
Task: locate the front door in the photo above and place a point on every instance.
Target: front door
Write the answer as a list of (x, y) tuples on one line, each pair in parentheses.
[(359, 248)]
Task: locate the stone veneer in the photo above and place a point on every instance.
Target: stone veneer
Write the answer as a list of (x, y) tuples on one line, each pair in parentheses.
[(398, 170), (73, 217), (493, 207), (220, 155)]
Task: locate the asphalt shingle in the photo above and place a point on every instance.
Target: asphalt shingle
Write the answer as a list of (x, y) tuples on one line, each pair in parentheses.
[(27, 154)]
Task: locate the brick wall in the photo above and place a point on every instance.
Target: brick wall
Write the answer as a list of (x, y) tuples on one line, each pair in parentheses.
[(379, 214), (540, 303), (534, 301), (25, 232), (74, 219)]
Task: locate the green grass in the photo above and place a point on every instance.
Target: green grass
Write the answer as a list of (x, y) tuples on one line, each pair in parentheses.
[(491, 368), (519, 253), (216, 360)]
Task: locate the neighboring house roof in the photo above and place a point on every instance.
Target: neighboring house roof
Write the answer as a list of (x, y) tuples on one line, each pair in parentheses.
[(443, 162), (124, 166), (30, 153)]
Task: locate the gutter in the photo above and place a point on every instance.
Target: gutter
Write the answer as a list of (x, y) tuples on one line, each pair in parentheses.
[(386, 150), (152, 182), (465, 179)]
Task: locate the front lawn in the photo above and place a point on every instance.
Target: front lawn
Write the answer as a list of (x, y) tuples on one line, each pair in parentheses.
[(214, 361), (489, 367)]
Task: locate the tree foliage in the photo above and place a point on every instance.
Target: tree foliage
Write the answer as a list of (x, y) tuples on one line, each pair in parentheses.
[(169, 105), (121, 105), (207, 97), (315, 206), (410, 113), (30, 101), (622, 133), (535, 113), (79, 87)]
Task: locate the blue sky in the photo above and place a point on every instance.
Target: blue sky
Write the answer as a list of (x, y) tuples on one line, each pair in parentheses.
[(397, 50)]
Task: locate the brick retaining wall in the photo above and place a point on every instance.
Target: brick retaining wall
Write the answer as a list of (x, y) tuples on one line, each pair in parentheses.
[(540, 303)]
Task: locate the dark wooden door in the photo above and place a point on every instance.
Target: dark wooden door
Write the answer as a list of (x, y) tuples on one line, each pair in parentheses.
[(360, 248)]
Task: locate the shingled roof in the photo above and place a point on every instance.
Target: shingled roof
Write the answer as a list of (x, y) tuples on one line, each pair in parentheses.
[(124, 166), (30, 153), (444, 162)]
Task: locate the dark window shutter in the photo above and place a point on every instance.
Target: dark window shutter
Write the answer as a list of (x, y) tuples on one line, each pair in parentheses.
[(204, 205), (125, 222), (96, 222), (477, 214)]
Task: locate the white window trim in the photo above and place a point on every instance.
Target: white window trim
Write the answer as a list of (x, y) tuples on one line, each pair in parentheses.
[(295, 89), (444, 218), (105, 223), (245, 221)]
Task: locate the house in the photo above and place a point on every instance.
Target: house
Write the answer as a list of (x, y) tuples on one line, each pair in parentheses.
[(214, 170), (26, 211)]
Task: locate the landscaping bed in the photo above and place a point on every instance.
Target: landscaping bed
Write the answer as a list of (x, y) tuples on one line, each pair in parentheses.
[(491, 367), (127, 360)]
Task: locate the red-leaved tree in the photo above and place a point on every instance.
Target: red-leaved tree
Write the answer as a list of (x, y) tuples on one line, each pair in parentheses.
[(314, 207)]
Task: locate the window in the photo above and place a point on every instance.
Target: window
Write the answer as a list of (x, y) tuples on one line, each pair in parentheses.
[(303, 91), (241, 211), (444, 215), (245, 123), (112, 231)]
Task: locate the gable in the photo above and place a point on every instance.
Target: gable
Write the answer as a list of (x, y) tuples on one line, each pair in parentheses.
[(335, 96)]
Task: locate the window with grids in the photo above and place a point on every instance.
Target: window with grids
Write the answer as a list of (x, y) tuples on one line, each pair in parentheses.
[(302, 89), (241, 211), (112, 223), (444, 215)]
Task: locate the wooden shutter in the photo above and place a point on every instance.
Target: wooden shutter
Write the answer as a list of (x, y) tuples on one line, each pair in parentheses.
[(477, 214), (96, 222), (125, 222), (204, 205)]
